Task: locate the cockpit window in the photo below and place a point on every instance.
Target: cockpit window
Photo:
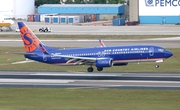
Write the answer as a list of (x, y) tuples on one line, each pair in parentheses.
[(7, 18), (161, 50)]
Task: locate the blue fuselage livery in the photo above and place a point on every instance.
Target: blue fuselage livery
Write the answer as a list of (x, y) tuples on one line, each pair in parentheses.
[(118, 54), (98, 56)]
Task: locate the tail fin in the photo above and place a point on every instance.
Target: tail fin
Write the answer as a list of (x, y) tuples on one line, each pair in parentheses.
[(31, 42), (101, 43)]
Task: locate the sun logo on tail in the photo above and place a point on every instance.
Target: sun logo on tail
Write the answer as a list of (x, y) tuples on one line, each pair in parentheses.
[(31, 42)]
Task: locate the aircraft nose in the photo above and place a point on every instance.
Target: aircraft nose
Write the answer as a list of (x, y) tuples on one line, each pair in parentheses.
[(168, 53)]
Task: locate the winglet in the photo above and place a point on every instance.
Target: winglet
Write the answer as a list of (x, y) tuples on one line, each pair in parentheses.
[(101, 43)]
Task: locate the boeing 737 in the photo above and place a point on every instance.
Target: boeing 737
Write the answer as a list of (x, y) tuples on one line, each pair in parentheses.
[(96, 56)]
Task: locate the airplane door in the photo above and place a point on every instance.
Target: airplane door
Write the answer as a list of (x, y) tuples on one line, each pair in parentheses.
[(44, 57), (151, 51)]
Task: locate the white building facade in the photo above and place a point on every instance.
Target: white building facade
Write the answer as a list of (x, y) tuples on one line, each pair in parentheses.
[(18, 9), (159, 11)]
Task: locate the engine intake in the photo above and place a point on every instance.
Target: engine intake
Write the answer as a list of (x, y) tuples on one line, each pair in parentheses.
[(104, 63)]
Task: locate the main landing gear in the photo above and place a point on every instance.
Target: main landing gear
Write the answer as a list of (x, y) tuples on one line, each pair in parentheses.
[(90, 69), (99, 68)]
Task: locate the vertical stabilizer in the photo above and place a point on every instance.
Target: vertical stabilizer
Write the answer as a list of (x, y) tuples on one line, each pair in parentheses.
[(31, 42)]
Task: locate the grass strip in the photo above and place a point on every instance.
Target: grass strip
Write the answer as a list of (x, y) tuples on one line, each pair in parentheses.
[(87, 99), (110, 37)]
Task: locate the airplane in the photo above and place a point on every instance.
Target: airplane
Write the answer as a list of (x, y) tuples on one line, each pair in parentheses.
[(96, 56), (5, 19)]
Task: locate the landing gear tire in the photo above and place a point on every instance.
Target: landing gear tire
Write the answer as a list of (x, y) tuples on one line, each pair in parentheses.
[(99, 68), (90, 69), (157, 66)]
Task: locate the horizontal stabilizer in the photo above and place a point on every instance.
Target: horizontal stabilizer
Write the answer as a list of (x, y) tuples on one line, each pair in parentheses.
[(19, 53)]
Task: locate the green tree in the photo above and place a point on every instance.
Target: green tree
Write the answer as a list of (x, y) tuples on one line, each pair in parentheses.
[(99, 2), (41, 2), (116, 1)]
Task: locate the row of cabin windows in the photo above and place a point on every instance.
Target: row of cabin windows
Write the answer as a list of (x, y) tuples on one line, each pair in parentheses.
[(87, 54)]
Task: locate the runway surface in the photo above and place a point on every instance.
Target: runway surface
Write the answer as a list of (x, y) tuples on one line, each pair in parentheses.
[(167, 81), (104, 30), (167, 43)]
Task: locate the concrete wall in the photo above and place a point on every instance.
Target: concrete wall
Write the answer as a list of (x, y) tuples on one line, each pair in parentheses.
[(133, 10), (126, 13)]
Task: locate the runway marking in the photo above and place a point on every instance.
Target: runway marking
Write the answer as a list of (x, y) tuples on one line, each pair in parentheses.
[(90, 40), (75, 74), (34, 81), (69, 81)]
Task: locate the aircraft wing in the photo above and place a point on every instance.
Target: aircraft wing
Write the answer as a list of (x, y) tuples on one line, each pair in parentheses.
[(78, 60), (70, 59)]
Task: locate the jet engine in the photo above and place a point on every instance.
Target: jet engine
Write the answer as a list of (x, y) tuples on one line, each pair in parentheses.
[(104, 63)]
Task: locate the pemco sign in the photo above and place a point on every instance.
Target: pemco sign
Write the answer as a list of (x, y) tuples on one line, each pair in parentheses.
[(163, 3), (159, 7)]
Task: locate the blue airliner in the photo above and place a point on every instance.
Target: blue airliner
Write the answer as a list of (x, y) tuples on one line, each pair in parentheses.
[(96, 56)]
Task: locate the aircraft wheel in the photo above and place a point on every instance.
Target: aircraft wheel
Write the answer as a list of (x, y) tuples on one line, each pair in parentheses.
[(90, 69), (157, 66), (99, 68)]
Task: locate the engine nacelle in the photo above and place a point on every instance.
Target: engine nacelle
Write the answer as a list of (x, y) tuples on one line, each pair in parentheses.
[(104, 63), (120, 64)]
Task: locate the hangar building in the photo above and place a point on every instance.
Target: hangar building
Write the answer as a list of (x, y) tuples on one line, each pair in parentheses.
[(155, 11), (101, 9)]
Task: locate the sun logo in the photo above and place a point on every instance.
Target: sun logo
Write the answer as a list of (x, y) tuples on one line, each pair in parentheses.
[(30, 41)]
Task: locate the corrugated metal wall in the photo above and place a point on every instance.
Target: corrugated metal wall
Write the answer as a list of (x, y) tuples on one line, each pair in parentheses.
[(159, 19), (107, 16), (82, 9)]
